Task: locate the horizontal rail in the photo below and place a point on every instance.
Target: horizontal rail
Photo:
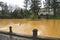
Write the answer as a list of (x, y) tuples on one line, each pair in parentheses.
[(28, 37), (13, 34)]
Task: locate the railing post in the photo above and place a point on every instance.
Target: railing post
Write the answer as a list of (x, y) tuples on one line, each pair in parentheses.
[(10, 29), (35, 34)]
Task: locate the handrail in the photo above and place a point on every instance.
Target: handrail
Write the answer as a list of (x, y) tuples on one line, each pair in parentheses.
[(28, 37), (34, 36)]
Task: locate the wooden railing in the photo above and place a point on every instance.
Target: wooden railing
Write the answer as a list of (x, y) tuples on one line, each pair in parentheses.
[(34, 37)]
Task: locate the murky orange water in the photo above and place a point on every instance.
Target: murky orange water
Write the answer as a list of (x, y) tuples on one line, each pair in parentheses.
[(48, 28)]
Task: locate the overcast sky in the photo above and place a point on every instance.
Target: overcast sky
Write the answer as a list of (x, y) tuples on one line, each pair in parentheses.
[(20, 3)]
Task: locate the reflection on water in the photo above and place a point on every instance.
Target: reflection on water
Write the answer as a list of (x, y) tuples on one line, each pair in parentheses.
[(49, 28)]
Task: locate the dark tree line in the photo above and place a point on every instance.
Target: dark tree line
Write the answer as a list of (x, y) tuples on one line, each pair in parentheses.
[(53, 4), (8, 12), (32, 8)]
